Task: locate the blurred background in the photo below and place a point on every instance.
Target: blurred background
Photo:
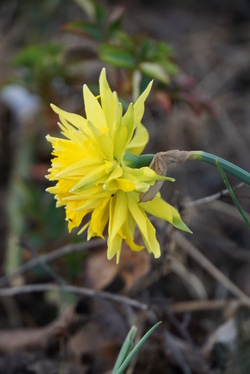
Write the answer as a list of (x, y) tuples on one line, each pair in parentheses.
[(198, 54)]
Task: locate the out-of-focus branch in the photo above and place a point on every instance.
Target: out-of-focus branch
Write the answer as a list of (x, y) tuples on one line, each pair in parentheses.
[(73, 289), (63, 251)]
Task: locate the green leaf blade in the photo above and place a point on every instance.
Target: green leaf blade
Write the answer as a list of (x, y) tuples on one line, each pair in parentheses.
[(125, 349), (136, 349), (116, 56), (232, 194)]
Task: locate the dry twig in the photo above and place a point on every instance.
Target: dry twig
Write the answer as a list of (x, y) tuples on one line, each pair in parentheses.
[(73, 289), (192, 251), (38, 338), (63, 251)]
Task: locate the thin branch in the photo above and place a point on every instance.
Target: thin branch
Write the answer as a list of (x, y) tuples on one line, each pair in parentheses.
[(73, 289), (192, 251), (201, 305), (209, 199), (39, 338), (45, 266), (63, 251)]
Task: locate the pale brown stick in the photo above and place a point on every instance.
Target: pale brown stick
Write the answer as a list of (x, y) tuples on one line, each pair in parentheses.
[(201, 305), (209, 199), (192, 251), (38, 338), (70, 248), (73, 289)]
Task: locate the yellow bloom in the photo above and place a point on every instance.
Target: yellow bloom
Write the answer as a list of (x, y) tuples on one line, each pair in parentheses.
[(95, 177)]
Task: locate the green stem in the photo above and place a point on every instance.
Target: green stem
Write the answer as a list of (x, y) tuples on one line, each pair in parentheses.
[(232, 194), (230, 168), (137, 161)]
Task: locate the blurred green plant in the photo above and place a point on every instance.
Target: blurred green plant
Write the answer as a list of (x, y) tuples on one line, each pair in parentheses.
[(99, 26), (152, 59), (40, 65), (49, 224), (137, 59), (126, 353), (139, 56), (115, 47)]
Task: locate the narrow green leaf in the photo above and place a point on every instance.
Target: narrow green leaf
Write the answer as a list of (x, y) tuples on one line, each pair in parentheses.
[(125, 349), (232, 194), (163, 50), (88, 6), (136, 349), (171, 68), (116, 56), (100, 14), (230, 168), (85, 28), (154, 70)]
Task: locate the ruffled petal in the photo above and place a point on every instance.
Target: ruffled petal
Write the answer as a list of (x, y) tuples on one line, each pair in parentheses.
[(74, 119), (96, 176), (139, 140), (117, 218), (109, 101), (139, 104), (93, 109), (128, 123), (161, 209), (99, 219), (146, 228)]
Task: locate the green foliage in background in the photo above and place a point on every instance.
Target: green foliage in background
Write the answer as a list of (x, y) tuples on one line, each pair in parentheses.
[(115, 47), (40, 65)]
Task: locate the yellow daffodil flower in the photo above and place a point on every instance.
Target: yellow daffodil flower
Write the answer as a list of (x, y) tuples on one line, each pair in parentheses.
[(95, 178)]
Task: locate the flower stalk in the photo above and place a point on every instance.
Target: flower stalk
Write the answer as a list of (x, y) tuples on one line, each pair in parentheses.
[(177, 156), (227, 166)]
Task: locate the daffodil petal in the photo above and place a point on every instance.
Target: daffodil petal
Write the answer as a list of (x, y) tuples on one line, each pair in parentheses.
[(114, 247), (97, 175), (150, 240), (85, 193), (99, 219), (93, 109), (139, 140), (118, 213), (147, 230), (75, 218), (104, 143), (83, 166), (139, 104), (74, 119), (117, 217), (161, 209), (116, 173), (122, 184), (129, 230), (128, 123), (108, 99)]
